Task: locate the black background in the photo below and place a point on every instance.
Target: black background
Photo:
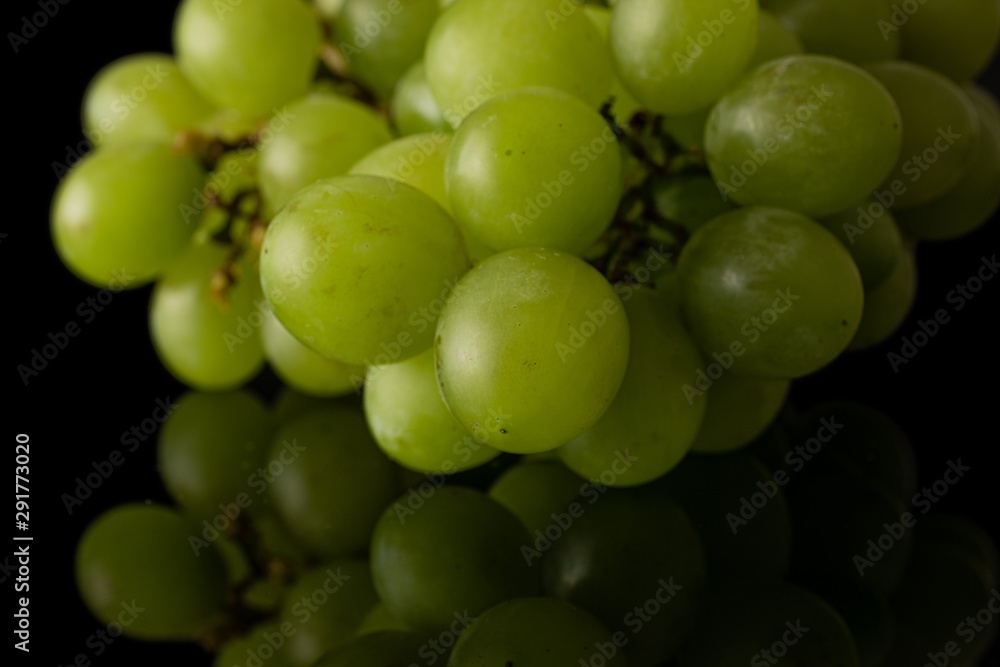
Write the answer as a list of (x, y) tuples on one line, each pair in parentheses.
[(108, 378)]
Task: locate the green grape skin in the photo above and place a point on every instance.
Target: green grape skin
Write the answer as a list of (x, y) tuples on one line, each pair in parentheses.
[(400, 29), (417, 160), (536, 490), (274, 539), (774, 40), (871, 235), (679, 56), (329, 9), (852, 30), (652, 419), (536, 632), (734, 268), (411, 423), (354, 291), (866, 613), (210, 446), (935, 112), (534, 168), (263, 595), (380, 620), (974, 199), (330, 496), (384, 649), (778, 137), (985, 102), (325, 135), (887, 306), (206, 344), (957, 38), (301, 368), (690, 200), (413, 109), (254, 57), (665, 558), (141, 98), (116, 219), (258, 647), (325, 608), (512, 363), (624, 106), (140, 555), (688, 130), (739, 409), (542, 46), (450, 551), (235, 559)]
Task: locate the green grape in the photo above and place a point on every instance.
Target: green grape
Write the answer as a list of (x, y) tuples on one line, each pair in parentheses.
[(542, 43), (267, 644), (774, 40), (871, 235), (866, 613), (760, 622), (531, 349), (739, 409), (303, 369), (963, 534), (116, 219), (140, 557), (235, 559), (411, 423), (679, 56), (986, 104), (940, 132), (210, 447), (653, 420), (325, 607), (538, 491), (381, 39), (688, 130), (264, 595), (207, 340), (414, 109), (740, 514), (141, 98), (887, 306), (690, 200), (976, 197), (624, 106), (534, 168), (325, 135), (274, 538), (291, 404), (253, 56), (536, 632), (807, 133), (769, 292), (329, 9), (654, 597), (381, 649), (379, 620), (358, 267), (852, 30), (416, 160), (230, 125), (449, 552), (955, 37), (337, 483)]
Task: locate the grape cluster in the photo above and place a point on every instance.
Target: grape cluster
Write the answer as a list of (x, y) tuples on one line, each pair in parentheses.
[(570, 257)]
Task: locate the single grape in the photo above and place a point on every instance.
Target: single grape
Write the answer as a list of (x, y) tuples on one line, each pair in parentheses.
[(537, 492), (887, 305), (870, 234), (414, 109), (852, 30), (955, 37), (531, 349), (384, 649), (416, 160), (739, 409), (624, 105), (329, 9), (774, 40), (690, 200)]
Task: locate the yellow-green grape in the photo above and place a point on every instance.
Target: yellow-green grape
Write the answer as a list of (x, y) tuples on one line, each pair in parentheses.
[(690, 200), (305, 370), (141, 98), (416, 160), (540, 492), (380, 619), (871, 235), (230, 125), (329, 9), (887, 305), (852, 30), (324, 134), (414, 109), (265, 644), (544, 43), (625, 106), (955, 37), (412, 424), (208, 339), (253, 56), (679, 56), (531, 349), (688, 130), (116, 217), (775, 40), (739, 409)]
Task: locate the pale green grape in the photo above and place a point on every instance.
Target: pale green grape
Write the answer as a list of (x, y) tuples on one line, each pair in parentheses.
[(414, 109), (329, 482), (808, 133), (135, 563), (253, 56), (739, 409), (416, 160), (679, 56), (305, 370), (955, 37), (852, 30), (381, 39), (652, 421), (207, 340), (325, 134), (479, 48), (690, 200), (537, 492), (940, 132), (116, 217), (887, 305), (534, 168), (329, 9), (625, 106), (141, 98), (769, 293), (774, 40), (384, 649), (870, 234), (357, 268), (531, 349)]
